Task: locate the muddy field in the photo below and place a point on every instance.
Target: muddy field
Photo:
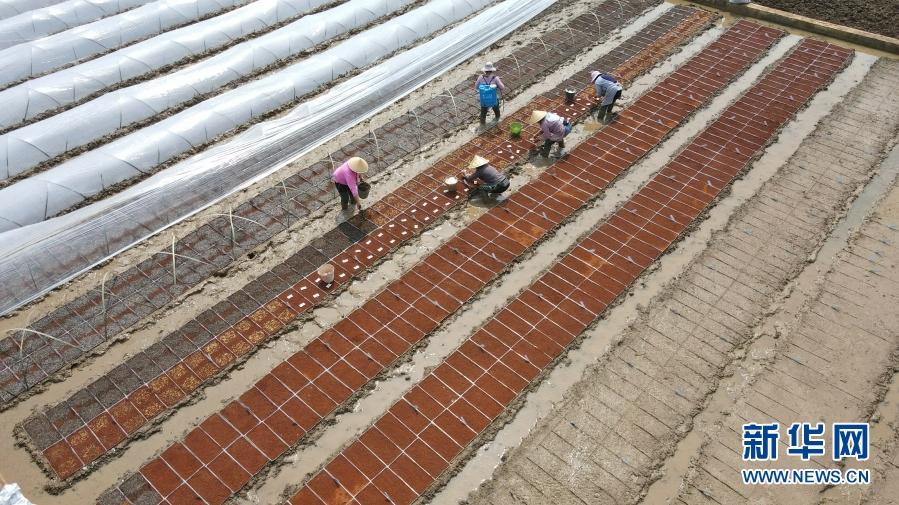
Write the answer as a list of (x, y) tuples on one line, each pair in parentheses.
[(878, 16), (723, 252), (747, 300)]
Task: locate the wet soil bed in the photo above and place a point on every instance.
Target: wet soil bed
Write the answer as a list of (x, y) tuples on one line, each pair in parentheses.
[(878, 16)]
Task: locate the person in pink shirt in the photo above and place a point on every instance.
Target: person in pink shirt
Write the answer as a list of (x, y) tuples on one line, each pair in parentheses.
[(490, 79), (347, 178), (553, 129)]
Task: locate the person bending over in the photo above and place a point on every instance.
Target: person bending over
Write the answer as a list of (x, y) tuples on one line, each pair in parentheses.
[(493, 182), (609, 90), (553, 129), (347, 178)]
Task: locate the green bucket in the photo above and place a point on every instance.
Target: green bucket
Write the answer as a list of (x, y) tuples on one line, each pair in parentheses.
[(515, 128)]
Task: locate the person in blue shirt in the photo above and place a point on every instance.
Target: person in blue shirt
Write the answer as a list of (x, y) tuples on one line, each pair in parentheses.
[(609, 89)]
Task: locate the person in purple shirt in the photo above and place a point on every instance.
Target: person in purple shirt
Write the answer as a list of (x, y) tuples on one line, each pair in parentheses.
[(490, 78), (493, 182), (553, 129), (347, 178)]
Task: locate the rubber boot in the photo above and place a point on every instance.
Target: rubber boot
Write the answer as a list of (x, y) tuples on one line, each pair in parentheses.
[(544, 152), (601, 113), (608, 114)]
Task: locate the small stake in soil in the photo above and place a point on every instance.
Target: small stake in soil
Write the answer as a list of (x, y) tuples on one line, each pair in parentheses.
[(452, 98), (417, 125), (377, 146), (175, 255), (51, 337), (21, 345), (174, 272), (103, 302), (545, 47), (230, 215), (517, 63), (570, 30), (285, 187)]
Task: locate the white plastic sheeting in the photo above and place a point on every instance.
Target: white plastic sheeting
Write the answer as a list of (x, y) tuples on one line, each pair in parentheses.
[(28, 146), (11, 494), (38, 23), (10, 8), (49, 53), (60, 88), (37, 258), (48, 193)]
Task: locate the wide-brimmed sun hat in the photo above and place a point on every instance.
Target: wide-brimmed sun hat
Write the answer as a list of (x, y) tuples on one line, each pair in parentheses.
[(489, 67), (536, 116), (358, 165), (596, 74), (478, 161)]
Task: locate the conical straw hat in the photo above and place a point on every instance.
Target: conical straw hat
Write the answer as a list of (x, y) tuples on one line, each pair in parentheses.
[(478, 161), (358, 165), (536, 116)]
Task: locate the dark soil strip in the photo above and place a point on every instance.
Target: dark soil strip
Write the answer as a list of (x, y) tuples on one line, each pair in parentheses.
[(878, 16)]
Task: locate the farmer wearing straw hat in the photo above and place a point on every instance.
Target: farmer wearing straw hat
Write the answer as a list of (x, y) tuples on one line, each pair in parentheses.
[(609, 89), (347, 178), (553, 129), (490, 89), (493, 182)]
